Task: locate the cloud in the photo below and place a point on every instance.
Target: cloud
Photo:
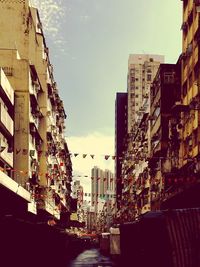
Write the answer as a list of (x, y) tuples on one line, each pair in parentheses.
[(52, 14), (96, 144)]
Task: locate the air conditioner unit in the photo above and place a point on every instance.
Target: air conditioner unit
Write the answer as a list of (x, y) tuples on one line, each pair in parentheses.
[(32, 153), (189, 50)]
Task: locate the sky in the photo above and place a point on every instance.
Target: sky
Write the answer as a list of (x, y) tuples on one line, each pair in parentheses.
[(90, 42)]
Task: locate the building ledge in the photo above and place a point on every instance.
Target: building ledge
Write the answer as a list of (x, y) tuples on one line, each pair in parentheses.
[(13, 186), (50, 209)]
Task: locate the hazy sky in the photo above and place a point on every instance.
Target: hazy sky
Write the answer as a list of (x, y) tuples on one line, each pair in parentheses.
[(90, 42)]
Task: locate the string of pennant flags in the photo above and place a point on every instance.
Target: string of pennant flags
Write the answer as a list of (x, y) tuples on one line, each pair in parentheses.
[(106, 157), (122, 180), (71, 154), (86, 155)]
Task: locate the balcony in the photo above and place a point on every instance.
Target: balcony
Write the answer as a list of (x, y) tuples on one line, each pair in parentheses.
[(34, 87), (6, 122), (7, 157), (34, 120), (13, 186), (156, 125), (5, 89)]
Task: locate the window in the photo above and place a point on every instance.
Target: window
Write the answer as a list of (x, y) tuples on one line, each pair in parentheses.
[(168, 77), (190, 80), (185, 88), (195, 137), (148, 77)]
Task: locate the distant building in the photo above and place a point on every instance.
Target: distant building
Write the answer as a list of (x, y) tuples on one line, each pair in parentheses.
[(103, 190), (141, 72)]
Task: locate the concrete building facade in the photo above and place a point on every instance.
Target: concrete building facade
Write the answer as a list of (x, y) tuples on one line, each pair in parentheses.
[(41, 157)]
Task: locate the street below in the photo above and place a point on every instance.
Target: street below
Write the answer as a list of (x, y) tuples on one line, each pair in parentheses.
[(92, 258)]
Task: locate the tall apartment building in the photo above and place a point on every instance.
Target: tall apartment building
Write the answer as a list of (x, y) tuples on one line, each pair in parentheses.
[(120, 135), (96, 180), (141, 71), (41, 156), (102, 190)]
